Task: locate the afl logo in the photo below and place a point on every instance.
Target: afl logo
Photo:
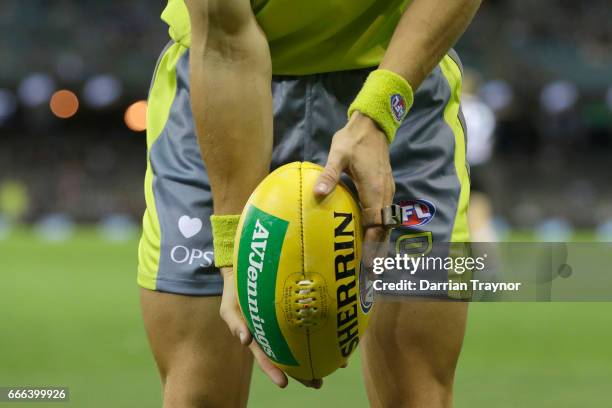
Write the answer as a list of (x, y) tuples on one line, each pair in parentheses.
[(417, 212), (398, 107)]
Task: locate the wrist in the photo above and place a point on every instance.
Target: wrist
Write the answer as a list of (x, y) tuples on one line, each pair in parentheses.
[(359, 120), (385, 98), (361, 125), (224, 231)]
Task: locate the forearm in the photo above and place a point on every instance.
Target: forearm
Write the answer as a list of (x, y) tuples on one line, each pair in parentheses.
[(232, 108), (427, 30)]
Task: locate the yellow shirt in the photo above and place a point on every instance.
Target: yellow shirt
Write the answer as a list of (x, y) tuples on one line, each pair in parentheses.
[(313, 36)]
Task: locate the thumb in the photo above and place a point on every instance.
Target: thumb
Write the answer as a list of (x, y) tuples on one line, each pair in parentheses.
[(329, 178)]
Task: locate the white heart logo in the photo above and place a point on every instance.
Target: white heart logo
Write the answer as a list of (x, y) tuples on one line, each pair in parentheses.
[(189, 226)]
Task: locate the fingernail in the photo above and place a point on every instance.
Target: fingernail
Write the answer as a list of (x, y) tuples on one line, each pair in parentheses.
[(279, 380), (242, 337), (321, 188)]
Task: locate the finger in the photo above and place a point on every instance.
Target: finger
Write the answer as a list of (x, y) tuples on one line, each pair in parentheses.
[(389, 190), (329, 178), (230, 311), (375, 244), (376, 235), (275, 374), (232, 316)]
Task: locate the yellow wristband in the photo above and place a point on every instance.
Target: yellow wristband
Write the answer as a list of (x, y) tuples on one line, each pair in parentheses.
[(386, 98), (223, 231)]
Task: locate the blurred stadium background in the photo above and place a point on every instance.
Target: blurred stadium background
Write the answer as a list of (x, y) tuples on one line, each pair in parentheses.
[(73, 84)]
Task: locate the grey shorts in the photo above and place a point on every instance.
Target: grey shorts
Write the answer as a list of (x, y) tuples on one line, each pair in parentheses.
[(427, 157)]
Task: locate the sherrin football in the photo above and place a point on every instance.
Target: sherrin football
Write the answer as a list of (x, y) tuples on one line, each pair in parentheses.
[(297, 263)]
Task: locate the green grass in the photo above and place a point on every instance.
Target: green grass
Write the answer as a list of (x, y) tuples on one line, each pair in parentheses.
[(70, 316)]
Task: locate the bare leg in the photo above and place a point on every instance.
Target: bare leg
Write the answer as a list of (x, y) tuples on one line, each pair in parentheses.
[(410, 353), (201, 364)]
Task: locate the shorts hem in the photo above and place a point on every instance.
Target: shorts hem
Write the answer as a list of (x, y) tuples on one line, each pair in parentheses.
[(182, 287)]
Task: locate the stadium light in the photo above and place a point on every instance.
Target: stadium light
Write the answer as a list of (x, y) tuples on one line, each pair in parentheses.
[(64, 104), (136, 116), (558, 97), (102, 91), (498, 94), (36, 89)]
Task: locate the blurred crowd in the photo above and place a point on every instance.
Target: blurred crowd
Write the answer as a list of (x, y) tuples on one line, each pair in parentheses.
[(538, 82)]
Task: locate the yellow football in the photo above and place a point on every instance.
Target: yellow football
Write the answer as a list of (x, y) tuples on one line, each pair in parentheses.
[(297, 263)]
